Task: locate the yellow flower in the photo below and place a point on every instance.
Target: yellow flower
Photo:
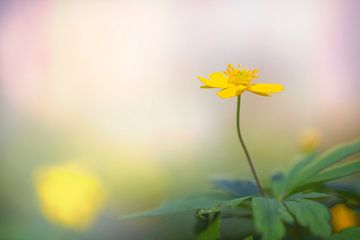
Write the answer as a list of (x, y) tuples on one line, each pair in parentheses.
[(343, 217), (310, 140), (69, 195), (234, 81)]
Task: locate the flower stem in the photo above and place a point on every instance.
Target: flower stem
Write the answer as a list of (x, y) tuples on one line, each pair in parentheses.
[(245, 149)]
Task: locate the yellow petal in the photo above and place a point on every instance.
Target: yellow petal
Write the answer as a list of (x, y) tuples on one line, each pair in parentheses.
[(219, 77), (217, 80), (231, 91), (343, 217), (265, 89), (211, 83)]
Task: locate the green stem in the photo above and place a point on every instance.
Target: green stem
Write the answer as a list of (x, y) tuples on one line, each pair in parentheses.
[(244, 147)]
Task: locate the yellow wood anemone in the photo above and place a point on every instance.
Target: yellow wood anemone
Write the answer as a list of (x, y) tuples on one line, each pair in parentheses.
[(69, 195), (234, 81), (343, 217)]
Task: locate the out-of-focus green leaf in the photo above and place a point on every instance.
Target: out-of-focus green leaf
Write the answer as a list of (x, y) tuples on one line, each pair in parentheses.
[(278, 184), (312, 166), (281, 183), (329, 158), (269, 217), (311, 214), (249, 238), (339, 172), (298, 168), (347, 234), (191, 203), (212, 232), (306, 195), (234, 203), (303, 162), (345, 190), (237, 188)]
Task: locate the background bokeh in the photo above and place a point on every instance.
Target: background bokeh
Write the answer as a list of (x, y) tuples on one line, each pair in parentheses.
[(100, 100)]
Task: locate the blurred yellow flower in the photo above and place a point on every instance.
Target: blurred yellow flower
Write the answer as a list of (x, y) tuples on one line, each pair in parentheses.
[(69, 195), (309, 140), (234, 81), (343, 217)]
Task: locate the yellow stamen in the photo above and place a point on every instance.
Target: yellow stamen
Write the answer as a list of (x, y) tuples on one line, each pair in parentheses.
[(240, 76)]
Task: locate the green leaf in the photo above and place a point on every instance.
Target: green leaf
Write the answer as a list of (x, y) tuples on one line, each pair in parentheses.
[(295, 171), (212, 232), (249, 238), (299, 166), (345, 190), (269, 217), (329, 158), (347, 234), (191, 203), (339, 172), (311, 214), (237, 188), (306, 195), (281, 184), (234, 203), (278, 184)]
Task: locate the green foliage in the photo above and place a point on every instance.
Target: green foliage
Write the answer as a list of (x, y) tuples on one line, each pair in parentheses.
[(234, 203), (324, 161), (269, 217), (202, 204), (310, 214), (339, 172), (289, 203), (306, 195), (347, 234), (249, 238), (278, 184), (346, 190), (212, 231), (287, 182), (330, 157), (314, 169), (190, 203), (237, 188)]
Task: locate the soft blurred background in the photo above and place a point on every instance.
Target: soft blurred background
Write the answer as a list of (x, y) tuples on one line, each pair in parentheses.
[(101, 113)]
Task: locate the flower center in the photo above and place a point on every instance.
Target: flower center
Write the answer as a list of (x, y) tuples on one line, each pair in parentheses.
[(239, 76)]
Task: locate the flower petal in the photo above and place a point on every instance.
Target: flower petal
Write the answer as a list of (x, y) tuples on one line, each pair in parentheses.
[(265, 89), (217, 80), (219, 77), (231, 91)]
